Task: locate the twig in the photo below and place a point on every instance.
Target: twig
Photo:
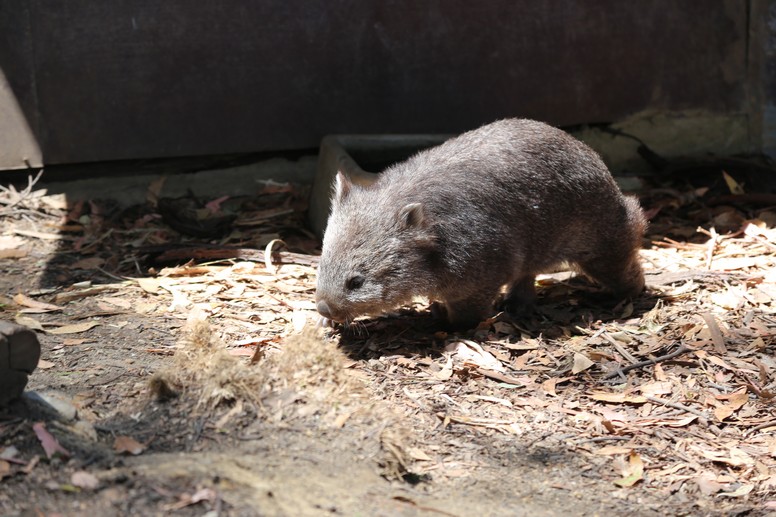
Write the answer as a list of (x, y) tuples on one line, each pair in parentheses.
[(621, 371), (751, 386), (20, 196), (604, 439), (670, 243), (223, 253), (760, 427), (677, 405), (621, 349), (424, 508), (111, 275), (498, 376), (711, 245)]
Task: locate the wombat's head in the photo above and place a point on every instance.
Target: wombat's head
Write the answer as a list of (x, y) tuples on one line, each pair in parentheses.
[(377, 252)]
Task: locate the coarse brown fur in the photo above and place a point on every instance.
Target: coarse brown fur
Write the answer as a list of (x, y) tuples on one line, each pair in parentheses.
[(490, 208)]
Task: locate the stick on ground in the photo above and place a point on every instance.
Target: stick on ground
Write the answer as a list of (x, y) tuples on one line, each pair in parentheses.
[(641, 364)]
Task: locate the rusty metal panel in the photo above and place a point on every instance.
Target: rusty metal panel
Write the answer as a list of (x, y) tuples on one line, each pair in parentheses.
[(143, 78), (18, 107)]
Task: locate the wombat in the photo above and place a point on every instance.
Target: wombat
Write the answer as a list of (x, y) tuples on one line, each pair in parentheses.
[(490, 208)]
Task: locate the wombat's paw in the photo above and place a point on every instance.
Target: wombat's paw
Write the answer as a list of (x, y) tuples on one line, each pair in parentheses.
[(464, 320), (326, 322), (438, 311), (517, 310)]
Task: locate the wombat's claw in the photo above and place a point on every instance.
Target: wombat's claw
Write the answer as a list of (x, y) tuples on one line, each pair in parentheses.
[(325, 322)]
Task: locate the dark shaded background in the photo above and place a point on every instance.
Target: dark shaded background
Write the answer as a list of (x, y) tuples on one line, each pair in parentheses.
[(145, 79)]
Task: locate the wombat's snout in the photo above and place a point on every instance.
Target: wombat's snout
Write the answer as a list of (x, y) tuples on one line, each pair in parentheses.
[(325, 311)]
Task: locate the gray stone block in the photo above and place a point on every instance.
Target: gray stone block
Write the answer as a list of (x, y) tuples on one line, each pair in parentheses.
[(19, 354), (359, 157)]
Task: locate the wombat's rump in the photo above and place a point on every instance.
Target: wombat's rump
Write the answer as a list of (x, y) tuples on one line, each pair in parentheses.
[(490, 208)]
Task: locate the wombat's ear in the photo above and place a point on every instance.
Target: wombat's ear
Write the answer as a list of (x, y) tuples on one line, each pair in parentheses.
[(342, 186), (412, 216)]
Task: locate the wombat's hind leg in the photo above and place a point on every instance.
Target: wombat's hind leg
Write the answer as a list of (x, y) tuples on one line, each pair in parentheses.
[(520, 297)]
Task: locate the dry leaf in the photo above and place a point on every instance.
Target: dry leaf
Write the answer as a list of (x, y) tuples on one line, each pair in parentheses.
[(728, 299), (127, 445), (204, 494), (27, 321), (149, 285), (708, 484), (719, 362), (88, 263), (734, 263), (5, 469), (660, 374), (118, 302), (734, 187), (85, 480), (418, 454), (40, 235), (470, 352), (549, 386), (55, 201), (681, 422), (739, 492), (10, 242), (722, 412), (26, 301), (656, 388), (13, 254), (633, 472), (50, 444), (447, 370), (735, 400), (611, 450), (581, 363), (75, 328), (716, 333), (298, 321), (736, 457), (45, 365), (154, 191), (524, 344)]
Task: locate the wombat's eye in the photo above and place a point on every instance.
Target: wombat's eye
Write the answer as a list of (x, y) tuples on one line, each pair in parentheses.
[(354, 282)]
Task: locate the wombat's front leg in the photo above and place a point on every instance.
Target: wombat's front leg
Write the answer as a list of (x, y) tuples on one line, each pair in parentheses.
[(521, 296), (469, 312)]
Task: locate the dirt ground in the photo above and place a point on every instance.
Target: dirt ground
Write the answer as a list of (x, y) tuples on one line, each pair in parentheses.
[(180, 349)]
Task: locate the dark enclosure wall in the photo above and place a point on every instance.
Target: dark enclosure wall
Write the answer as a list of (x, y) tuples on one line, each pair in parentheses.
[(86, 80)]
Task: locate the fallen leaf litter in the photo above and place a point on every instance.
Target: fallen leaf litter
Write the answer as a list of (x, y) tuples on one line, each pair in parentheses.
[(672, 391)]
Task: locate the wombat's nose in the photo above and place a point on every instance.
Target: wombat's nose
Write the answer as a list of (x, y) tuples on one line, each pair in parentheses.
[(323, 309)]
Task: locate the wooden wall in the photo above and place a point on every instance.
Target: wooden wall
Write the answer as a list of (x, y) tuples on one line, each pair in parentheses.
[(86, 80)]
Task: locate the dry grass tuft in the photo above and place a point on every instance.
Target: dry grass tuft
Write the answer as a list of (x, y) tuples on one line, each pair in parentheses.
[(307, 362), (203, 366), (312, 370)]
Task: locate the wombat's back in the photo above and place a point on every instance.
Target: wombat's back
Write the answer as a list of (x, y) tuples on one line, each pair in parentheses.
[(520, 188)]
